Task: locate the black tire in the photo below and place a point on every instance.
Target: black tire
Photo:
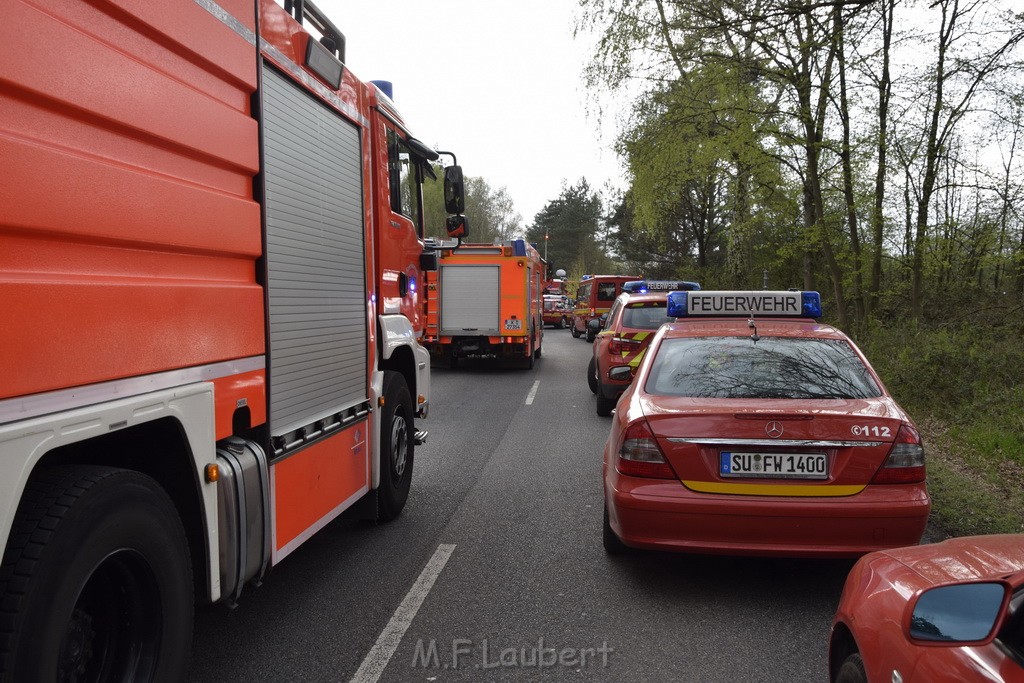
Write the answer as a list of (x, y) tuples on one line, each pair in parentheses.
[(96, 581), (592, 376), (396, 447), (453, 362), (575, 332), (590, 335), (560, 324), (536, 352), (613, 545), (852, 670), (605, 406)]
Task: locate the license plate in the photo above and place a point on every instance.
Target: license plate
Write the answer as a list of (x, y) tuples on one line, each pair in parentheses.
[(774, 465), (513, 324)]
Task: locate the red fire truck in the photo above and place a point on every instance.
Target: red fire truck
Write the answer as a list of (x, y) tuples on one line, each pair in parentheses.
[(211, 243), (485, 301)]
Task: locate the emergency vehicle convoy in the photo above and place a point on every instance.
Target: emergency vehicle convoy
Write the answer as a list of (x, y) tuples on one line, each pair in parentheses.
[(594, 298), (210, 263), (485, 301), (750, 428), (628, 328)]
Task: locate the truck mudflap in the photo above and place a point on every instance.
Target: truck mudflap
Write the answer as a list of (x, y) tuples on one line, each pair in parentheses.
[(243, 515)]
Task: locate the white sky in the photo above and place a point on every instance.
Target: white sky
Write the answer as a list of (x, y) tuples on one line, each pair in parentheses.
[(497, 83)]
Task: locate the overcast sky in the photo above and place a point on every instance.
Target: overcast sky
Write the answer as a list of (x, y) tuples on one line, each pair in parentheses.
[(498, 83)]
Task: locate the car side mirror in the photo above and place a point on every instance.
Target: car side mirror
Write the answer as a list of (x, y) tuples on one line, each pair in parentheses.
[(620, 373), (457, 226), (959, 613), (454, 190)]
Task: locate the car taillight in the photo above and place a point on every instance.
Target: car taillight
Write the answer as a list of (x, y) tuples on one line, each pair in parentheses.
[(619, 344), (593, 313), (639, 455), (905, 462)]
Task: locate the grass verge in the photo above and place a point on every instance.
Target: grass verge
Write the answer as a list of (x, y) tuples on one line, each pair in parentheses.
[(965, 390)]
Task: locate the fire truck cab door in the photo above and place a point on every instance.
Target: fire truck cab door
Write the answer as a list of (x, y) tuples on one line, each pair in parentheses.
[(399, 250)]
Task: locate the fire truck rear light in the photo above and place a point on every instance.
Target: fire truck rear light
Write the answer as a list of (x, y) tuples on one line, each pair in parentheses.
[(639, 455), (905, 462)]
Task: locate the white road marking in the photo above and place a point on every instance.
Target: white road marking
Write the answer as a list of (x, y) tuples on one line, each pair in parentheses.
[(377, 658), (533, 393)]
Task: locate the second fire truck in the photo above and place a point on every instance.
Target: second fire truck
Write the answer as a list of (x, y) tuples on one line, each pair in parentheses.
[(486, 301)]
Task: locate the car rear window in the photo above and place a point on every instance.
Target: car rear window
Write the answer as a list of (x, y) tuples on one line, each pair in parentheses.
[(606, 291), (647, 316), (772, 367)]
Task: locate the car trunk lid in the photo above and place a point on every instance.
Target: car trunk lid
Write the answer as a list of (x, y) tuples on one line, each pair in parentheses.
[(798, 448)]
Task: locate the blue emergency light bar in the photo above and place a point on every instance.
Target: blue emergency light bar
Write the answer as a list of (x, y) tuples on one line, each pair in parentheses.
[(645, 286), (743, 304)]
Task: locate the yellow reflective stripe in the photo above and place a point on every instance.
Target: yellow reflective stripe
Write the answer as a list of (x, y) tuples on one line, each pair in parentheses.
[(823, 490), (635, 363), (605, 333)]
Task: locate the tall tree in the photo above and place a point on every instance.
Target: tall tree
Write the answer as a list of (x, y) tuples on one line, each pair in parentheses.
[(572, 226)]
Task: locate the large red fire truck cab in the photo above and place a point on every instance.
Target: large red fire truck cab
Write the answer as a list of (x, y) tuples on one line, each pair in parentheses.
[(211, 241)]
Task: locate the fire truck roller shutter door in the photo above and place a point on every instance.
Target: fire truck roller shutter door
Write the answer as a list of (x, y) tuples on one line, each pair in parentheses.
[(315, 257)]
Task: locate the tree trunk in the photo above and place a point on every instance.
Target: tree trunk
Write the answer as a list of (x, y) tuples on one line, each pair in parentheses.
[(878, 217)]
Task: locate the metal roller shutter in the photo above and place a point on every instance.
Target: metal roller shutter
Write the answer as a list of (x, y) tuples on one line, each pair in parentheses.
[(470, 299), (315, 257)]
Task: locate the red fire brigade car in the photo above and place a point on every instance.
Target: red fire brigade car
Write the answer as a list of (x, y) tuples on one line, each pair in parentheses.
[(628, 328), (752, 429)]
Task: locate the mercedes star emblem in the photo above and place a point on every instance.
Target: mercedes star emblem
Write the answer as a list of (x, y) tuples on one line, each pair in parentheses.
[(774, 429)]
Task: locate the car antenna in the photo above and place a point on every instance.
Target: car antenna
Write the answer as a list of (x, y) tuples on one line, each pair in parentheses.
[(753, 325)]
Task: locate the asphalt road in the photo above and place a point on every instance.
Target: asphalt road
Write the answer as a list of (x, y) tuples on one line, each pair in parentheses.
[(508, 489)]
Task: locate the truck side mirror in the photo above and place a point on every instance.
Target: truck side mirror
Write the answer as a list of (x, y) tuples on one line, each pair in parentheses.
[(454, 190), (457, 226)]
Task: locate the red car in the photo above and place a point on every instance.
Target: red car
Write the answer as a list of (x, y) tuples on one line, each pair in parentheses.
[(752, 429), (628, 329), (950, 611), (557, 310)]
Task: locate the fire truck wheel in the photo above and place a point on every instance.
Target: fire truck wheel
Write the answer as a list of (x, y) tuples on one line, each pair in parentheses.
[(96, 582), (590, 336), (396, 447), (536, 352), (605, 405), (592, 376), (575, 332)]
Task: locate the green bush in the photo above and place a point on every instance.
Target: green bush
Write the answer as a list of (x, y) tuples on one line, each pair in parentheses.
[(967, 384)]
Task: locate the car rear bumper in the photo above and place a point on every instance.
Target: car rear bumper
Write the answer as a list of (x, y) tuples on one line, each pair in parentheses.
[(664, 515), (613, 389)]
